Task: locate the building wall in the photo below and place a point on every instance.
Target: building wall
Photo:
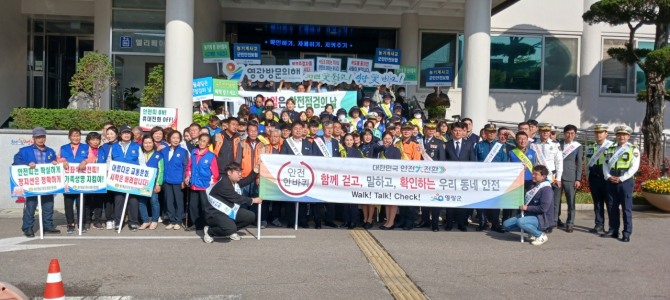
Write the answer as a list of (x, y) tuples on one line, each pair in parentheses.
[(82, 8), (13, 57), (208, 28), (134, 68)]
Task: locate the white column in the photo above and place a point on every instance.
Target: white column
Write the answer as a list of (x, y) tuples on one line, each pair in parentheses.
[(589, 79), (101, 42), (409, 42), (179, 16), (477, 62)]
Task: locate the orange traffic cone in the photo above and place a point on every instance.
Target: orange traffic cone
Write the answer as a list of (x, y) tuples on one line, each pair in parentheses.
[(54, 288)]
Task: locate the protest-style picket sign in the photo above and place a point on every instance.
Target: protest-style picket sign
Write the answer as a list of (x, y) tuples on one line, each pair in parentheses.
[(317, 101), (226, 90), (274, 73), (439, 76), (328, 64), (359, 65), (203, 89), (411, 75), (364, 78), (89, 180), (44, 179), (248, 54), (215, 52), (386, 58), (391, 182), (306, 64), (163, 117), (130, 179)]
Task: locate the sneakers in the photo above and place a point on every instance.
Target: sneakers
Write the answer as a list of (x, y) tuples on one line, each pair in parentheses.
[(170, 226), (276, 223), (132, 227), (206, 237), (176, 227), (109, 225), (264, 224), (540, 240), (235, 237), (70, 229), (531, 237)]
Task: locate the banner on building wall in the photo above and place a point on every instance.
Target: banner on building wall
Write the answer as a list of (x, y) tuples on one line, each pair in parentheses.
[(215, 52), (44, 179), (306, 64), (317, 101), (328, 64), (391, 182), (359, 65), (131, 179), (90, 180), (164, 117), (364, 78), (247, 54), (274, 73), (411, 75), (439, 76), (203, 89), (386, 58)]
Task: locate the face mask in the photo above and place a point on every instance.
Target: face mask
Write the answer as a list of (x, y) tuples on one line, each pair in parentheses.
[(417, 116), (341, 117), (402, 94), (269, 107)]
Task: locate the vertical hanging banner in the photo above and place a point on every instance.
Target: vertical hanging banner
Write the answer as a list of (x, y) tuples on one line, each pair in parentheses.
[(247, 54), (439, 76), (411, 75), (359, 65), (306, 64), (131, 179), (226, 90), (328, 64), (164, 117), (386, 58), (215, 52), (203, 89), (44, 179), (90, 180)]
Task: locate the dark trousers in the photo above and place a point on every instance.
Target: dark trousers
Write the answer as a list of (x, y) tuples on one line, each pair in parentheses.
[(93, 203), (489, 215), (620, 194), (222, 225), (302, 214), (434, 215), (107, 202), (317, 211), (557, 203), (174, 203), (408, 215), (196, 208), (568, 187), (47, 212), (351, 214), (425, 215), (458, 216), (132, 209), (265, 210), (599, 194), (277, 206), (70, 200)]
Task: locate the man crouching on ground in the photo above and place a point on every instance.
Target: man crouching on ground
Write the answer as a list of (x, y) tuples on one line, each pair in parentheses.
[(538, 208)]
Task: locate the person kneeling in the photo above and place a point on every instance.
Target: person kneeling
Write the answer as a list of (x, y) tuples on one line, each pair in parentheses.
[(539, 208), (223, 210)]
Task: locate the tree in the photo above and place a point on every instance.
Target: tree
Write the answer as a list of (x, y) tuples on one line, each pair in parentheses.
[(94, 74), (153, 91), (655, 64)]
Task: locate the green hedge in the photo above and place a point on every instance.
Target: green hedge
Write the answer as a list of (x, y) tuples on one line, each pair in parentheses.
[(64, 119)]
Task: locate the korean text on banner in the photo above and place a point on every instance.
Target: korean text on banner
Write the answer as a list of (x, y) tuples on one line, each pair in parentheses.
[(90, 180), (317, 101), (275, 73), (387, 58), (131, 179), (225, 90), (151, 117), (439, 76), (247, 54), (306, 64), (411, 75), (391, 182), (215, 52), (328, 64), (359, 65), (203, 89), (44, 179), (364, 78)]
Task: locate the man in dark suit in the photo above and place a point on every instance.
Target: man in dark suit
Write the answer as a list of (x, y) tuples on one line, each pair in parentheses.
[(458, 149), (572, 174), (325, 146), (469, 135), (224, 199), (296, 145)]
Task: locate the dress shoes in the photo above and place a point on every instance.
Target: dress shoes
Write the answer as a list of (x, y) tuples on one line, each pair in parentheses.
[(409, 227), (422, 225), (367, 225), (29, 233), (448, 228), (331, 224), (386, 228), (597, 229), (436, 229), (625, 239), (560, 223), (52, 231), (569, 229), (610, 234), (498, 229), (462, 228)]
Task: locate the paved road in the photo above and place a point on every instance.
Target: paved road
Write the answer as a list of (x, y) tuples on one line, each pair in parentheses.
[(327, 264)]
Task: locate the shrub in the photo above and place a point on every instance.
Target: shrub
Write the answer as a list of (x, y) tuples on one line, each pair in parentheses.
[(658, 186), (201, 119), (153, 91), (94, 74), (64, 119), (644, 173)]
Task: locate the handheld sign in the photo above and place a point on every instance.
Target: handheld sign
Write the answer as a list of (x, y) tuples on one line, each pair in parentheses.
[(44, 179)]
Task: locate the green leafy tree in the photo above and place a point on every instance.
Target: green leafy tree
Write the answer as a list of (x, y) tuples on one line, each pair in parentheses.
[(655, 64), (94, 74), (153, 91)]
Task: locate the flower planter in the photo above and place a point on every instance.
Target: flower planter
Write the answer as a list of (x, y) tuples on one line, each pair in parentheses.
[(660, 201)]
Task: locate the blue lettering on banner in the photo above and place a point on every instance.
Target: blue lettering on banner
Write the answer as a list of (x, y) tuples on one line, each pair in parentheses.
[(247, 53), (387, 58), (439, 76)]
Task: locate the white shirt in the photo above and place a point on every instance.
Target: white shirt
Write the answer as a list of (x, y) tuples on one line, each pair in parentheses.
[(553, 156), (633, 168)]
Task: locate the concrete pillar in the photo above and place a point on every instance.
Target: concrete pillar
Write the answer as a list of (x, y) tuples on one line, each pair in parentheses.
[(589, 81), (409, 42), (477, 66), (101, 42), (179, 18)]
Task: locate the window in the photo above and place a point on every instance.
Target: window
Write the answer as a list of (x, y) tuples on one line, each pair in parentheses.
[(617, 78), (640, 79), (560, 64), (516, 62), (437, 50)]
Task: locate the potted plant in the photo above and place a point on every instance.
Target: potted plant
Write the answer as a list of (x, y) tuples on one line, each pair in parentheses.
[(657, 192)]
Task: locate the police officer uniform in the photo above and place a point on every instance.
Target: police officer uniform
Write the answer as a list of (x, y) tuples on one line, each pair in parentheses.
[(550, 155), (482, 151), (434, 148), (597, 183), (621, 163)]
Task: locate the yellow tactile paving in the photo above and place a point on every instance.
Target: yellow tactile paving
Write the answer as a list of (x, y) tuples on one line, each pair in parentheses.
[(395, 279)]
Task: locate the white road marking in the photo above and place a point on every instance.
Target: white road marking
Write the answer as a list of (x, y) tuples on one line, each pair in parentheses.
[(14, 244)]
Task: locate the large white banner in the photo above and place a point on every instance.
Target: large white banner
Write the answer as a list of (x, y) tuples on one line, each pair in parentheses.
[(274, 73), (317, 101), (391, 182)]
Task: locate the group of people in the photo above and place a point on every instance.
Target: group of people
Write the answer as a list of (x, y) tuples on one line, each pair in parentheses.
[(208, 177)]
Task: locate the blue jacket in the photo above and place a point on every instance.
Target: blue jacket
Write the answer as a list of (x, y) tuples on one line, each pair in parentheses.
[(542, 206), (26, 155), (530, 153), (483, 148), (103, 152), (176, 166), (201, 173), (81, 155), (130, 157)]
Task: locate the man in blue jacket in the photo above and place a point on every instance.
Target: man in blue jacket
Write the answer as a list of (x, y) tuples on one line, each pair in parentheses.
[(37, 153), (490, 150)]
